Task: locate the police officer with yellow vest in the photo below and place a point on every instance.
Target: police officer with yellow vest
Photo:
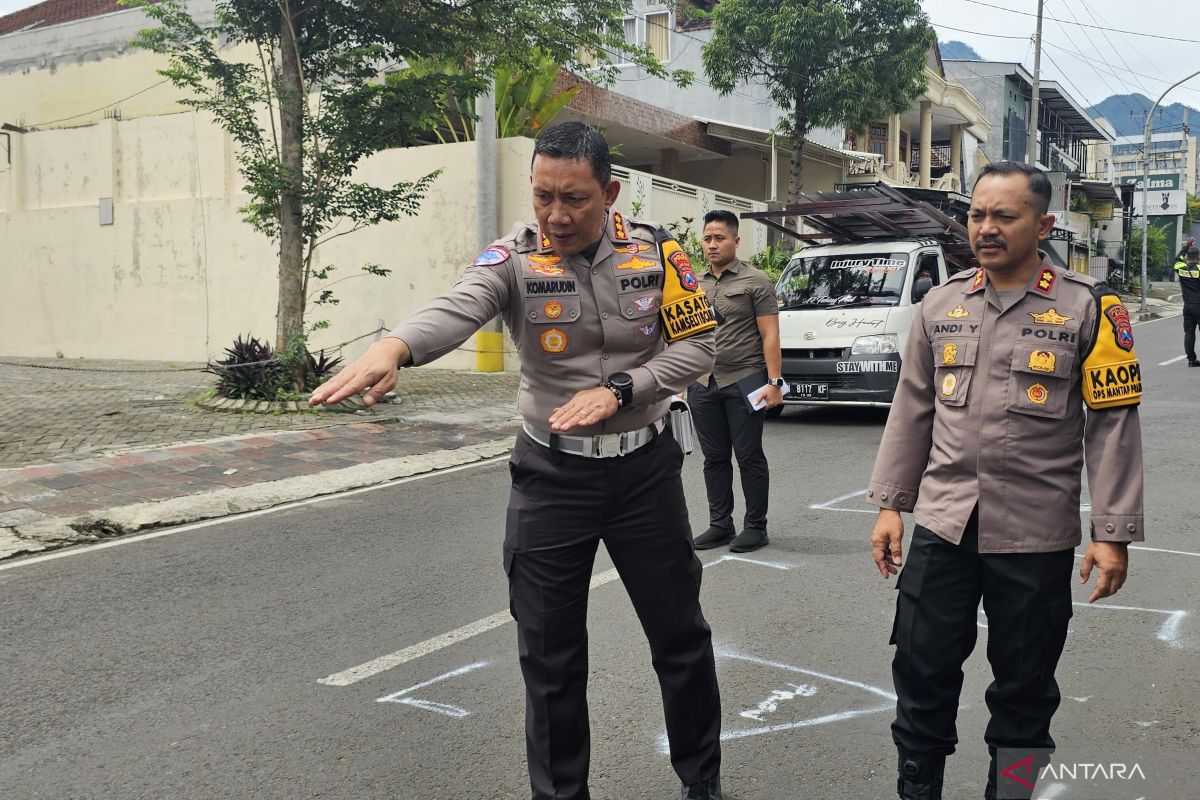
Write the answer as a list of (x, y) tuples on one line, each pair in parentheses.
[(983, 445), (591, 299), (1187, 268)]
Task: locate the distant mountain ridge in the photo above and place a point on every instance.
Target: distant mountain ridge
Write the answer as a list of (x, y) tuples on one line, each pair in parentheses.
[(1127, 114), (958, 50)]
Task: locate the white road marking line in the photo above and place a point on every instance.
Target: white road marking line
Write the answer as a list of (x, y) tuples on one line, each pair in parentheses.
[(141, 537), (1054, 791), (772, 564), (375, 666), (428, 705), (1160, 550), (1172, 361)]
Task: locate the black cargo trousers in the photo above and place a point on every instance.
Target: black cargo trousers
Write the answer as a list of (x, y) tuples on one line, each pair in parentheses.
[(561, 507), (1027, 600)]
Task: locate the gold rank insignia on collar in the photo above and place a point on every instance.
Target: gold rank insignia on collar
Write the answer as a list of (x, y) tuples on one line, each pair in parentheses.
[(1041, 361), (618, 226), (977, 284), (1045, 281), (1050, 317), (958, 312), (543, 240)]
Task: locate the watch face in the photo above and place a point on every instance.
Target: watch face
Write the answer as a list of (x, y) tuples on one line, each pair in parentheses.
[(621, 379)]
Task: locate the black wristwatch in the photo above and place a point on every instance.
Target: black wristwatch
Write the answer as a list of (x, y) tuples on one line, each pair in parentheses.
[(775, 382), (621, 384)]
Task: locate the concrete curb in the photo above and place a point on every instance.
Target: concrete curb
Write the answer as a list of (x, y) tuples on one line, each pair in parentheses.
[(65, 531)]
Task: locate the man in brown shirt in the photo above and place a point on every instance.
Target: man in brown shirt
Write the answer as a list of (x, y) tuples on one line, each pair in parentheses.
[(747, 351), (592, 299), (984, 444)]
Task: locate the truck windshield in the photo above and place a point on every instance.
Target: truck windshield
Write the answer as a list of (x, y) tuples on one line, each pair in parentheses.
[(845, 279)]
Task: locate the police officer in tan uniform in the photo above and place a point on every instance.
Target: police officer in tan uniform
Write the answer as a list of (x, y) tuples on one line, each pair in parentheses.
[(591, 299), (984, 445)]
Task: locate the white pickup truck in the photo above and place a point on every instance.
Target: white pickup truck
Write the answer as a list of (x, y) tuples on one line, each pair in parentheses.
[(847, 301)]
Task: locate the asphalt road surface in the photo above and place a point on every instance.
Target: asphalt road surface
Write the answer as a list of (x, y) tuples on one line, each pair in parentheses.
[(359, 647)]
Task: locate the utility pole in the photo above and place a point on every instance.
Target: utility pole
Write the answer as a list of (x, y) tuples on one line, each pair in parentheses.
[(1031, 146), (1143, 313)]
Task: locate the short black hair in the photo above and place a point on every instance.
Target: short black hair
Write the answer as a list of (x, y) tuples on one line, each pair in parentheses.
[(576, 140), (1039, 184), (1193, 252), (728, 218)]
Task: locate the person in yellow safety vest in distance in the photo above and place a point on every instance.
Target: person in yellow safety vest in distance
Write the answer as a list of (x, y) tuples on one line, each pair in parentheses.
[(1187, 267)]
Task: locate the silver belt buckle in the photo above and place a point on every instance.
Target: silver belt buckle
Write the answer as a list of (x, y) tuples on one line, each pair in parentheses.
[(609, 445)]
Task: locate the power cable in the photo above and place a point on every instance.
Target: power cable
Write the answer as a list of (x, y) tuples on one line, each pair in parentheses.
[(1082, 25)]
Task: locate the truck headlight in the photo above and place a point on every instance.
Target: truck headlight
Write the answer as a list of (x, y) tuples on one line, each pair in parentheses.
[(876, 344)]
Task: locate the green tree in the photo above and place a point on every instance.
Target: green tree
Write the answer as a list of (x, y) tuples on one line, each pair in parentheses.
[(1156, 247), (825, 62), (525, 101), (297, 85)]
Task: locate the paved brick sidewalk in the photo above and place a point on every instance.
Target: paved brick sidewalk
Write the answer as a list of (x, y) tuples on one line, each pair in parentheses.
[(89, 486), (98, 408)]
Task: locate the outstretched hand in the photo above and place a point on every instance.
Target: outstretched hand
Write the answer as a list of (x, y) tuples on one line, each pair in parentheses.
[(374, 372)]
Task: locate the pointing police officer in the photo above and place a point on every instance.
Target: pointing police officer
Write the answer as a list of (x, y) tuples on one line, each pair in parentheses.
[(984, 445), (591, 298)]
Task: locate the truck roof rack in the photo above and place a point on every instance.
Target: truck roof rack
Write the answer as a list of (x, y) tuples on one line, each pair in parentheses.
[(880, 211)]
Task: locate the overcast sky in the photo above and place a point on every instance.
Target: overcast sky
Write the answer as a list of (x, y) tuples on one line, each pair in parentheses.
[(1100, 62)]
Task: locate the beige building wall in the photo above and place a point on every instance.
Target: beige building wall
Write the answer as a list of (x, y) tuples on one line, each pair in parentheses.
[(124, 240), (178, 274)]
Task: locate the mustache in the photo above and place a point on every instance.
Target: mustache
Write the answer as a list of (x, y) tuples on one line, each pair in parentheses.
[(991, 243)]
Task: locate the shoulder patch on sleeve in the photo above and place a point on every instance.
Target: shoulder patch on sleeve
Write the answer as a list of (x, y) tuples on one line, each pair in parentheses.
[(493, 256), (1112, 376), (685, 311)]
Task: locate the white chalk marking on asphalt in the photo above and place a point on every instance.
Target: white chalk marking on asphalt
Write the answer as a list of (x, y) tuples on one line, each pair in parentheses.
[(392, 660), (829, 505), (826, 719), (1167, 632), (771, 704), (1171, 361), (1054, 791), (772, 564), (428, 705), (141, 537)]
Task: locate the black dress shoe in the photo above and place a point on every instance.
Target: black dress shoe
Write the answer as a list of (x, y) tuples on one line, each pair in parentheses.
[(715, 536), (1193, 362), (705, 790), (749, 539)]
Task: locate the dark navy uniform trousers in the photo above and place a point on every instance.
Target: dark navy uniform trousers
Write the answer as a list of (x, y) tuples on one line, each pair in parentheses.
[(1027, 600), (561, 507)]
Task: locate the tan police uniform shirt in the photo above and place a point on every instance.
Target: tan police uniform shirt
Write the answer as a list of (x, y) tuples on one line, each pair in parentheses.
[(575, 322), (989, 411), (740, 296)]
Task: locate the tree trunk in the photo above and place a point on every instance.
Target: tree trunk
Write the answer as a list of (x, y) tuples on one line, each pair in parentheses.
[(796, 168), (289, 315), (799, 131)]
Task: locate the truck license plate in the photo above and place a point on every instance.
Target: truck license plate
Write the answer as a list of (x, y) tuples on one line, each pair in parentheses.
[(809, 391)]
